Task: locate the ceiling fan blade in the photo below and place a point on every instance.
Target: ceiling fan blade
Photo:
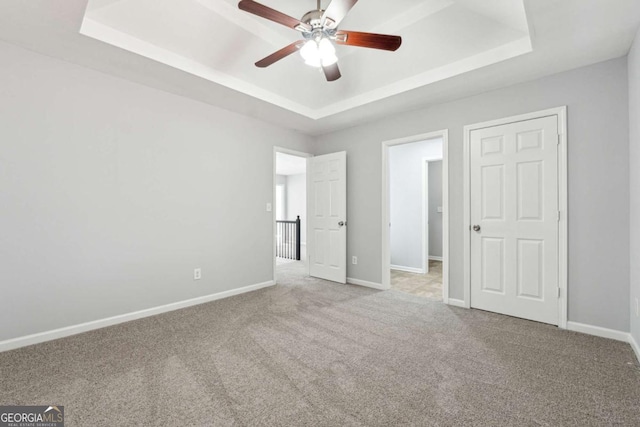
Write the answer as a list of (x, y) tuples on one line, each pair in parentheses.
[(336, 12), (332, 72), (273, 15), (370, 40), (277, 56)]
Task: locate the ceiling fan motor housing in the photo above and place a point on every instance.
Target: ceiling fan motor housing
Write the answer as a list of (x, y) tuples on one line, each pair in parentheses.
[(313, 18), (319, 31)]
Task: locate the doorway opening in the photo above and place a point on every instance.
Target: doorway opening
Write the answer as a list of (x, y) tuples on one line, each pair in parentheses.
[(415, 215), (290, 213)]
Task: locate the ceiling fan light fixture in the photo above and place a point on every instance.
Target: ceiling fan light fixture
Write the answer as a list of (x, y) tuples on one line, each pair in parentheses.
[(311, 54), (319, 54)]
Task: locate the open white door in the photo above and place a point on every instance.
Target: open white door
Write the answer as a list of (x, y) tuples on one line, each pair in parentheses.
[(327, 212)]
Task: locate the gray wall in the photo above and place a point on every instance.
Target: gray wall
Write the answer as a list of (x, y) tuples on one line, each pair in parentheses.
[(435, 201), (634, 136), (406, 200), (111, 193), (297, 202), (598, 181)]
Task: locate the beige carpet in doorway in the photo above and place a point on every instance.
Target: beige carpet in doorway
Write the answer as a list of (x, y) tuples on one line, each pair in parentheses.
[(309, 352)]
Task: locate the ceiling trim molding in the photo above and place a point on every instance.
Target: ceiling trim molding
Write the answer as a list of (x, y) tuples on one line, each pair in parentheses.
[(499, 54), (124, 41), (106, 33)]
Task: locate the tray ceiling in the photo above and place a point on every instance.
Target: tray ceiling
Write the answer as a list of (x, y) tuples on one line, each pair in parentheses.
[(205, 50), (214, 40)]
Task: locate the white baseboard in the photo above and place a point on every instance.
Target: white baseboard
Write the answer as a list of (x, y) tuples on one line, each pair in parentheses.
[(598, 331), (635, 346), (407, 269), (367, 284), (457, 303), (14, 343), (435, 258)]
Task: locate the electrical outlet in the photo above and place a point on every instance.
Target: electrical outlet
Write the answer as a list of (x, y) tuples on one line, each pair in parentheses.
[(197, 274), (354, 260), (269, 208)]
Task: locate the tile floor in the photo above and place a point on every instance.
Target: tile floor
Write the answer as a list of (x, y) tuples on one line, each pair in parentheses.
[(423, 285)]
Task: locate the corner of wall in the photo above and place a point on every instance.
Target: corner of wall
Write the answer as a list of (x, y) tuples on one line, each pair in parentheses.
[(633, 63)]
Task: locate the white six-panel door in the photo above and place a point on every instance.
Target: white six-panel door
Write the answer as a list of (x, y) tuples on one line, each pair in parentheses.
[(327, 213), (514, 215)]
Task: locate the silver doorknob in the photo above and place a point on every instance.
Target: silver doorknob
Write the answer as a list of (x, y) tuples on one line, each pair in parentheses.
[(476, 228), (342, 223)]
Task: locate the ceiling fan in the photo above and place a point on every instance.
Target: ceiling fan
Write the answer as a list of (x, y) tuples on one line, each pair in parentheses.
[(320, 30)]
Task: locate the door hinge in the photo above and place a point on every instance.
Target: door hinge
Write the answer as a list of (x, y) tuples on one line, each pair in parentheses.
[(558, 216), (559, 292), (558, 140)]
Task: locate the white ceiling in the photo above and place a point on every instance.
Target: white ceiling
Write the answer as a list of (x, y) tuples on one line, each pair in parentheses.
[(205, 50)]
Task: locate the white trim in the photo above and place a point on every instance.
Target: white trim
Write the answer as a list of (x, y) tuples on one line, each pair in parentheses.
[(425, 209), (105, 33), (40, 337), (283, 150), (634, 346), (373, 285), (563, 203), (563, 224), (435, 258), (456, 303), (407, 269), (466, 217), (599, 331), (445, 216), (425, 215), (386, 251)]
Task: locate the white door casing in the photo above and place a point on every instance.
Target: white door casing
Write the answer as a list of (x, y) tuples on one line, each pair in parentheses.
[(425, 215), (327, 212), (514, 202)]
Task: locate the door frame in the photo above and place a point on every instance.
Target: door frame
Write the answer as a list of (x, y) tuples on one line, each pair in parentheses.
[(386, 208), (425, 215), (289, 151), (561, 114), (425, 211)]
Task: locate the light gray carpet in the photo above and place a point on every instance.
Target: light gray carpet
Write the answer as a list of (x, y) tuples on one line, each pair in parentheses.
[(308, 352)]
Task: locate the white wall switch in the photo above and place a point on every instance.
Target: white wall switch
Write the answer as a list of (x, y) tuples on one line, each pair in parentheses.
[(354, 260), (439, 209), (197, 274), (268, 207)]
